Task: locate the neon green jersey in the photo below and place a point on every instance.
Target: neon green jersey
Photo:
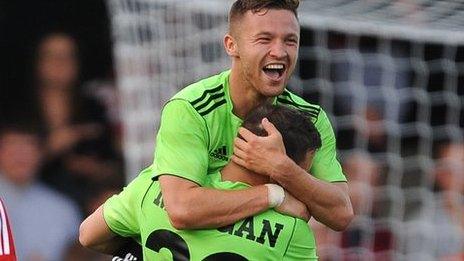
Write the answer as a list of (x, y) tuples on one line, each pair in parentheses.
[(198, 127), (139, 210)]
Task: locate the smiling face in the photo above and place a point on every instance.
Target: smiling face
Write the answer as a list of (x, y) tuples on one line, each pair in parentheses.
[(264, 49)]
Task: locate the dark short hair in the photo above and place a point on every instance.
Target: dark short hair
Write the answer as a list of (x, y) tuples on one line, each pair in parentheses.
[(240, 7), (298, 132), (24, 128)]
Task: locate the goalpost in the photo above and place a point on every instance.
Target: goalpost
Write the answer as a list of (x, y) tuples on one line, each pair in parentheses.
[(160, 46), (390, 74)]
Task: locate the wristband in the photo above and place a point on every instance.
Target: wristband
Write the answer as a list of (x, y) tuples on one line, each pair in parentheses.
[(276, 195)]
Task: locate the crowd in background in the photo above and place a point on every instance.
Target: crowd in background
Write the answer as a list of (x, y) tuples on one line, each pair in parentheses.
[(400, 142), (61, 162)]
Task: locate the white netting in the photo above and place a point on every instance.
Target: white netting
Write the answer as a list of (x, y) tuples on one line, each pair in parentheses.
[(389, 73), (430, 20)]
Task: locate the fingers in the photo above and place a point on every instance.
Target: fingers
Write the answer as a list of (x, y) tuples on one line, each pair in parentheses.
[(239, 161), (246, 134), (240, 144), (269, 127), (240, 153)]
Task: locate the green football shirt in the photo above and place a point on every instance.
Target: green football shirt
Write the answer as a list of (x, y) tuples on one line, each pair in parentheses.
[(139, 211), (198, 127)]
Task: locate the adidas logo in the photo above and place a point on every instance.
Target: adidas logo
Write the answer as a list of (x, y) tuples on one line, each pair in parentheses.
[(220, 153)]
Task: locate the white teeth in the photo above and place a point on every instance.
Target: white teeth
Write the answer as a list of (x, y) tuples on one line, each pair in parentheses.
[(274, 66)]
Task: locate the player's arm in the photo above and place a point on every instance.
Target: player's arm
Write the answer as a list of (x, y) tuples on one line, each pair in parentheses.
[(190, 206), (328, 202), (113, 227), (181, 164), (95, 234)]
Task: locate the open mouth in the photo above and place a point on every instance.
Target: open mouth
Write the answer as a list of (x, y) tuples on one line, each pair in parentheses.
[(274, 70)]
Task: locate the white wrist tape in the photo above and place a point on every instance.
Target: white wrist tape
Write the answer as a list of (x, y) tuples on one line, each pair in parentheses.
[(276, 195)]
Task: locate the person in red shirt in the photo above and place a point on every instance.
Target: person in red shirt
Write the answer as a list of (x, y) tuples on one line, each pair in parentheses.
[(7, 249)]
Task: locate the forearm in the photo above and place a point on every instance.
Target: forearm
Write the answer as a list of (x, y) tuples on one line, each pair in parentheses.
[(194, 207), (211, 208), (95, 234), (328, 203)]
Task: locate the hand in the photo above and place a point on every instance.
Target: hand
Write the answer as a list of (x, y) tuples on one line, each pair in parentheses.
[(293, 207), (259, 154), (90, 167), (64, 138)]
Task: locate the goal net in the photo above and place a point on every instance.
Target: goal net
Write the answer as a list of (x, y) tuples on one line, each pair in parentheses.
[(390, 74)]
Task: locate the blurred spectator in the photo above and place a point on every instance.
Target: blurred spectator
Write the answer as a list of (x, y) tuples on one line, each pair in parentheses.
[(362, 238), (437, 231), (362, 172), (105, 91), (79, 145), (43, 221), (449, 205), (374, 130)]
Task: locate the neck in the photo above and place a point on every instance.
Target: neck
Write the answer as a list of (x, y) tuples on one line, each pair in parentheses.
[(55, 86), (234, 172), (56, 106), (243, 95), (18, 182)]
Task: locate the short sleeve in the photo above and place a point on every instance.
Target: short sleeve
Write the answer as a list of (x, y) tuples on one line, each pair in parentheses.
[(325, 164), (120, 213), (182, 143)]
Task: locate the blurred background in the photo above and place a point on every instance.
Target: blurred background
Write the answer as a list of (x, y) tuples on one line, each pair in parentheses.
[(83, 83), (60, 153)]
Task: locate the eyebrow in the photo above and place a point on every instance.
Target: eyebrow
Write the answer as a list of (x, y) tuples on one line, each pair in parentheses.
[(264, 33), (271, 34)]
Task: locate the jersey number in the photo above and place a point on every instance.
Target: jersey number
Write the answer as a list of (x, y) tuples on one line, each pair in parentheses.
[(163, 238)]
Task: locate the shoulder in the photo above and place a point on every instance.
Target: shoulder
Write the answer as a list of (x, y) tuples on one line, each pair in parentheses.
[(205, 95), (291, 99), (203, 88)]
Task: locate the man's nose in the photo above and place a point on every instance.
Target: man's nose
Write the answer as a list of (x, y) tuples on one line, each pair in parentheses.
[(278, 50)]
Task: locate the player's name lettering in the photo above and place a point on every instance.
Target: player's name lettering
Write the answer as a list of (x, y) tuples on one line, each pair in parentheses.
[(247, 229)]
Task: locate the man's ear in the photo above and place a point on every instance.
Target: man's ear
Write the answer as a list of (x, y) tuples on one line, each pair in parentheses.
[(307, 160), (230, 45)]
